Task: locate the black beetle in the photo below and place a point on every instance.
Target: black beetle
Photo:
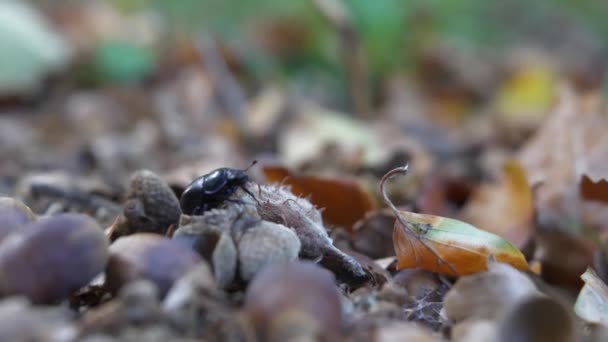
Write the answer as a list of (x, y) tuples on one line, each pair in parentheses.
[(209, 191)]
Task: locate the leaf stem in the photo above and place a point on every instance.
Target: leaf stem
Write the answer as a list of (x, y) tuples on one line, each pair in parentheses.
[(406, 225), (398, 170)]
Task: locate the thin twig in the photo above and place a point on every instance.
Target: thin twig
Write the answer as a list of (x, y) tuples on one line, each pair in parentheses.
[(352, 52), (229, 92)]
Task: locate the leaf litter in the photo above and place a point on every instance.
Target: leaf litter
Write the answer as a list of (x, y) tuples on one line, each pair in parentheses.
[(503, 210)]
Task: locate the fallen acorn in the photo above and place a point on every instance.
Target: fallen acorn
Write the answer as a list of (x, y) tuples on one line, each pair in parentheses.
[(294, 295), (150, 206), (538, 318), (148, 256), (264, 244), (214, 245), (487, 295), (13, 215), (19, 321), (234, 240), (51, 258)]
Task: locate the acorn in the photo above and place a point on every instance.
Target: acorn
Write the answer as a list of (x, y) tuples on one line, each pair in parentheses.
[(19, 321), (265, 244), (53, 257), (487, 295), (539, 318), (212, 244), (148, 256), (13, 215), (222, 236), (151, 206), (294, 294), (211, 235)]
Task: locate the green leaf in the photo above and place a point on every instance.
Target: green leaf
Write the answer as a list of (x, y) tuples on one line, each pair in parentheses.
[(30, 50), (122, 61)]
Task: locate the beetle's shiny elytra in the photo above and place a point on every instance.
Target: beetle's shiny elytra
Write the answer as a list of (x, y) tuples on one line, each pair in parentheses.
[(209, 191)]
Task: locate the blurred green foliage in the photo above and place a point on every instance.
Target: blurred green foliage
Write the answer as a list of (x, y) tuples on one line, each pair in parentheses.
[(119, 61), (391, 30)]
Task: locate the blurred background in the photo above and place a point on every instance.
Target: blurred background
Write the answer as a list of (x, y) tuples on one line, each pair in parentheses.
[(472, 93)]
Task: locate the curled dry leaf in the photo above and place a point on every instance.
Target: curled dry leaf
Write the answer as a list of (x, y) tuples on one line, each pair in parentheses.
[(445, 245), (344, 201), (592, 302), (505, 208), (570, 143)]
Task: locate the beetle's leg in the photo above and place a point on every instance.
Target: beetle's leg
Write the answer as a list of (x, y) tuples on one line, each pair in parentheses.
[(250, 194), (237, 201), (200, 209)]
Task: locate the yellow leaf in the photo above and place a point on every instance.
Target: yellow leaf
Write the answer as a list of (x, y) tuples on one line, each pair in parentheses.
[(528, 93), (505, 208)]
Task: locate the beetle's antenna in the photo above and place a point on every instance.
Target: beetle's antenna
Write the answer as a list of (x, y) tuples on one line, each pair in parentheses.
[(250, 166)]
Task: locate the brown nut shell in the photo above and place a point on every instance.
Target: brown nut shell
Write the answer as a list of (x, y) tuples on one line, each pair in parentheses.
[(52, 257), (148, 256), (265, 244), (295, 289), (215, 246)]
